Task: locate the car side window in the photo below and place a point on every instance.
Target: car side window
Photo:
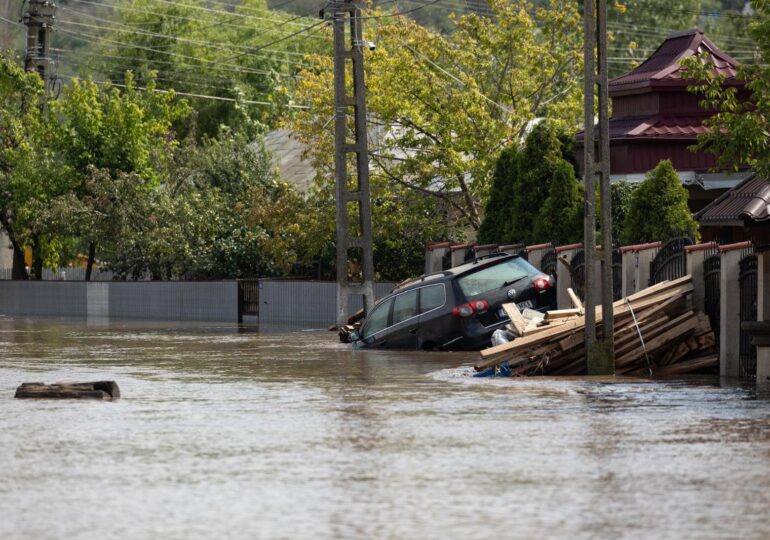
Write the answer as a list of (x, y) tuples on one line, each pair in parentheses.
[(432, 297), (378, 320), (404, 306)]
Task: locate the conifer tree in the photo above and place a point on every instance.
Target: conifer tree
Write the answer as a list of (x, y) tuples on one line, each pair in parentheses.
[(658, 209)]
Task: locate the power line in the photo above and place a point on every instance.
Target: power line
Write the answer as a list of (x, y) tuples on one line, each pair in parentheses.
[(189, 94)]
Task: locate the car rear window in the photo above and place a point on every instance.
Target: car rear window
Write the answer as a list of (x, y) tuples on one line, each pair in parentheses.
[(494, 277), (432, 297)]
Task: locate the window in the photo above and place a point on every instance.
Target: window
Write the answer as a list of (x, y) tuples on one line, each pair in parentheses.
[(404, 306), (432, 297), (378, 320), (495, 277)]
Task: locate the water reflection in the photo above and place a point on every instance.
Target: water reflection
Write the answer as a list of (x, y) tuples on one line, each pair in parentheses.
[(227, 432)]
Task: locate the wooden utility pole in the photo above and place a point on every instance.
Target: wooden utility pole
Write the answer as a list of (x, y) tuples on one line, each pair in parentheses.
[(599, 351), (39, 20), (354, 240)]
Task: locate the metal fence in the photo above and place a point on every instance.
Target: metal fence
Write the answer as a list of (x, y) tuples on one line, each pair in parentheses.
[(548, 263), (670, 262), (248, 298), (578, 264), (578, 273), (64, 274), (711, 275), (747, 279)]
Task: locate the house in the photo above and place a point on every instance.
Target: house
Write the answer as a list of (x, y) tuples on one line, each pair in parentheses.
[(742, 213), (654, 117)]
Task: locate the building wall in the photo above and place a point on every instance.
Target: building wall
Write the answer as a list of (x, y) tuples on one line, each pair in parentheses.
[(6, 252)]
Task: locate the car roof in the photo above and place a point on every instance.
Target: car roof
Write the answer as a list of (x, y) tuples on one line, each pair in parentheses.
[(481, 262)]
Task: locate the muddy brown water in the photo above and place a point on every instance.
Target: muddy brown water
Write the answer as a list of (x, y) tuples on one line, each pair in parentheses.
[(224, 433)]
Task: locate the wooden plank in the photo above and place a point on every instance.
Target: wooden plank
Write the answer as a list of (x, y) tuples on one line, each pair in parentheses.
[(562, 313), (575, 299), (517, 320), (678, 327), (690, 366)]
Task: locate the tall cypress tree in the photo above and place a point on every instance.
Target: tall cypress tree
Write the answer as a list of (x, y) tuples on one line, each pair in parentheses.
[(496, 226)]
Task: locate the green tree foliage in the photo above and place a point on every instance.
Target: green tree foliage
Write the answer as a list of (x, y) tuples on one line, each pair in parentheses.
[(560, 219), (535, 195), (209, 50), (113, 131), (445, 106), (658, 209), (739, 133), (621, 194), (27, 171), (497, 225)]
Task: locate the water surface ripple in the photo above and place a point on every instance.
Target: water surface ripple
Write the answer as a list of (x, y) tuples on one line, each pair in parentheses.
[(225, 433)]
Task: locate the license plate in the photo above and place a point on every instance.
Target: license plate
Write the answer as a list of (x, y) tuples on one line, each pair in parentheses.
[(526, 304)]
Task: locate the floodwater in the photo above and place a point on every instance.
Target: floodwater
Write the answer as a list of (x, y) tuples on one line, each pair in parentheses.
[(222, 433)]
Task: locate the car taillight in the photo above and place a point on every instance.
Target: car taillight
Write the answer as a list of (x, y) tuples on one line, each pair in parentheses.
[(542, 284), (469, 308)]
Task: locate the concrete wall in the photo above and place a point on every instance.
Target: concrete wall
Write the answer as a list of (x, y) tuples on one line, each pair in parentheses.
[(287, 302), (280, 302), (6, 252), (170, 300)]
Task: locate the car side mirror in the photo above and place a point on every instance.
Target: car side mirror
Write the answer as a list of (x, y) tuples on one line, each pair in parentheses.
[(355, 336)]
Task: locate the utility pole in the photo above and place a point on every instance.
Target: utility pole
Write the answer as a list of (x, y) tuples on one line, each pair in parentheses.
[(39, 20), (599, 351), (354, 210)]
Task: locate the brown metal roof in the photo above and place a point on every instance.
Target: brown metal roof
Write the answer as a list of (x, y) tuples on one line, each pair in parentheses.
[(749, 200), (655, 127), (663, 69)]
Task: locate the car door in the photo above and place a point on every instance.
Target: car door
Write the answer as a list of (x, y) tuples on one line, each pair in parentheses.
[(402, 333)]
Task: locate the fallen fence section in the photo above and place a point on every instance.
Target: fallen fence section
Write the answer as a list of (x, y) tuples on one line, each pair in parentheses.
[(656, 332)]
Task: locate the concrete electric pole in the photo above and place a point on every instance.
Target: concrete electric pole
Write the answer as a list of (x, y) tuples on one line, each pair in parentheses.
[(354, 211), (599, 351), (39, 20)]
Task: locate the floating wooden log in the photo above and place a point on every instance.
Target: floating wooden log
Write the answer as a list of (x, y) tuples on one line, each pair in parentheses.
[(105, 390)]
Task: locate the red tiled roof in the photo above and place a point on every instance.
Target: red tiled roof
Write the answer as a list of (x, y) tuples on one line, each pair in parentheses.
[(748, 200), (655, 127), (662, 68)]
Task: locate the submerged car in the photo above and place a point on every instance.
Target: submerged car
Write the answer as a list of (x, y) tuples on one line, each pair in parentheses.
[(457, 309)]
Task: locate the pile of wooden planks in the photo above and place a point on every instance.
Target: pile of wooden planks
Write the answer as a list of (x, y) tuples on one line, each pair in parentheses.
[(656, 332)]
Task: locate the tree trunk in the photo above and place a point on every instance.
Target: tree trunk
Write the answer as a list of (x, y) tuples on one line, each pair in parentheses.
[(91, 257), (19, 270), (37, 259)]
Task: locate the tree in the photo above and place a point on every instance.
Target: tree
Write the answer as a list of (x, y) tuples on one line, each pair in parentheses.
[(113, 131), (560, 220), (658, 209), (24, 157), (739, 133), (621, 194), (234, 53), (443, 107), (535, 194), (497, 225)]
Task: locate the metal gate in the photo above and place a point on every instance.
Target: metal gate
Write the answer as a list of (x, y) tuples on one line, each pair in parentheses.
[(578, 264), (617, 274), (248, 298), (711, 275), (578, 274), (747, 276), (548, 263), (670, 261)]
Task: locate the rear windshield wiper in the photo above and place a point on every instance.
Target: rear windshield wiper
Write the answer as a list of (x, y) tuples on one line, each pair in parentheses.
[(511, 282)]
